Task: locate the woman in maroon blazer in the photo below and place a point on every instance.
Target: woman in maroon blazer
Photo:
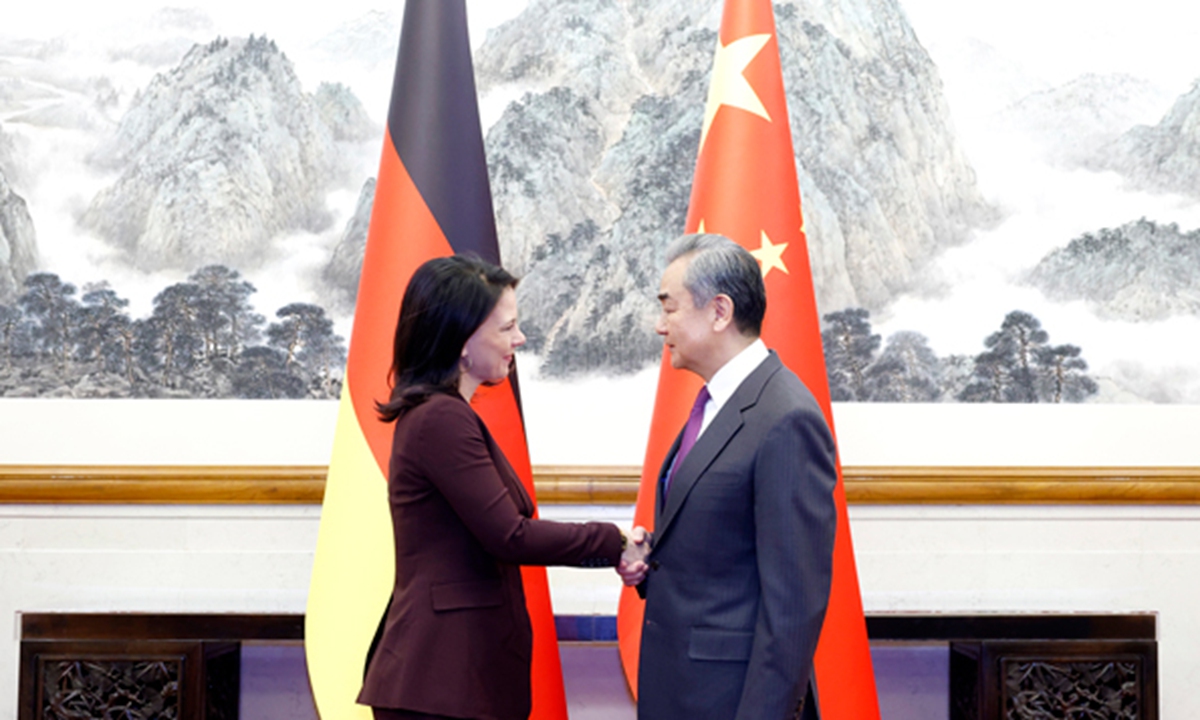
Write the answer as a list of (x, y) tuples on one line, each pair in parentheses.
[(456, 640)]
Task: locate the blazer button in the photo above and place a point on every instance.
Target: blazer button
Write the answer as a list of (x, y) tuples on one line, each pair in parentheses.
[(654, 565)]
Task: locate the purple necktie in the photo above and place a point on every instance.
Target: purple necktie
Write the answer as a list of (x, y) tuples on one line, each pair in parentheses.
[(691, 431)]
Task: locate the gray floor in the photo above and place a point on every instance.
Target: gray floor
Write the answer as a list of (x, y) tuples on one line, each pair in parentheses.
[(275, 683), (595, 685), (912, 680)]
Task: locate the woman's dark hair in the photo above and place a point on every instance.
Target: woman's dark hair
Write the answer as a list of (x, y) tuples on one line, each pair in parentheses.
[(446, 301)]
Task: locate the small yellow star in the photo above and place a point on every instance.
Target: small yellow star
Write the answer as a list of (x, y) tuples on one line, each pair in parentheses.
[(770, 255), (729, 85)]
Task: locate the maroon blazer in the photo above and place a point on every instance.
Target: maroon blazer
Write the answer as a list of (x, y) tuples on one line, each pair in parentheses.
[(456, 639)]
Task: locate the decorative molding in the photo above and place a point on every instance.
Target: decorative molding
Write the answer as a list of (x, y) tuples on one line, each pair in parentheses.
[(305, 485), (171, 484), (581, 485), (1022, 485)]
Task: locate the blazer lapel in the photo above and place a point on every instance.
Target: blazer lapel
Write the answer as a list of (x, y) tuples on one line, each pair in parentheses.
[(711, 442), (507, 474)]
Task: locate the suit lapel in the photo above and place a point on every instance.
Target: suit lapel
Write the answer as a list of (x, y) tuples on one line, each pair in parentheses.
[(507, 474), (662, 472), (711, 442)]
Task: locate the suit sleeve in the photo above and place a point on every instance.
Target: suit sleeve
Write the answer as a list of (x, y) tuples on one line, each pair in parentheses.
[(795, 474), (456, 459)]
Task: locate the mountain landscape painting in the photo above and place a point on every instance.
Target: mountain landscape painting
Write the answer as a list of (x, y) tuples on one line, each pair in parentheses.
[(1001, 204)]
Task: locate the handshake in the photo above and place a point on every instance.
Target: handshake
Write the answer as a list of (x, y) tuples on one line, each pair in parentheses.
[(633, 568)]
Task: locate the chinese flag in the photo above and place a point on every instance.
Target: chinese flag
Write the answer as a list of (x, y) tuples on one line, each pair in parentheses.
[(746, 189), (431, 199)]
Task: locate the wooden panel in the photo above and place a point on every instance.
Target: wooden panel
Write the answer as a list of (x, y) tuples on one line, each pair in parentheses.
[(1069, 679), (1029, 626), (1021, 485), (583, 485), (107, 679), (154, 626), (175, 484), (607, 485), (1112, 657)]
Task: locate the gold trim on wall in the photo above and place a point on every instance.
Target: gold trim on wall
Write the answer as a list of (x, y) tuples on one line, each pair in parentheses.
[(1022, 485), (305, 485), (169, 484)]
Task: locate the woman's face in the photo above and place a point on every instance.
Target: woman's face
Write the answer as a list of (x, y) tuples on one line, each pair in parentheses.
[(488, 354)]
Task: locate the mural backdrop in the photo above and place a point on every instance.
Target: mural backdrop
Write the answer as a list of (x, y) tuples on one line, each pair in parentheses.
[(1002, 202)]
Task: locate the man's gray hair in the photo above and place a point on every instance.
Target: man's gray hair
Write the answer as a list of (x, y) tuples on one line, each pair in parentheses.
[(719, 266)]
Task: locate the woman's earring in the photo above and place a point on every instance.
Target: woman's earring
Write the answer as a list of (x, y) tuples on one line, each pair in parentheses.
[(467, 362)]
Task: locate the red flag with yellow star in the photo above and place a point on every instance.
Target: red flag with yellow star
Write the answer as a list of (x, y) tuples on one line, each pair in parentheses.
[(431, 199), (745, 188)]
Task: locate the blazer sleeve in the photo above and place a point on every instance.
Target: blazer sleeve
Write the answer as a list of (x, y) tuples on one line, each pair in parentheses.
[(456, 459), (795, 474)]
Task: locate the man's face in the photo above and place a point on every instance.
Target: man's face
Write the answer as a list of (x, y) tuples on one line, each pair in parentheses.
[(686, 329)]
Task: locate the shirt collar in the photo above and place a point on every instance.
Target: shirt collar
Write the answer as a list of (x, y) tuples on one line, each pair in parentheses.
[(726, 380)]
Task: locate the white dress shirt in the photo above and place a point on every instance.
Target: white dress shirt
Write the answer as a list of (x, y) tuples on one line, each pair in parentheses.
[(725, 381)]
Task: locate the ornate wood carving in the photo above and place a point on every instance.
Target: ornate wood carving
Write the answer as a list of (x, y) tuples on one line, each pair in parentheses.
[(73, 689), (1045, 689), (1093, 679), (126, 678)]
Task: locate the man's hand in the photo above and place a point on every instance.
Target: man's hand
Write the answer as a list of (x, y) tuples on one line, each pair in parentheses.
[(633, 567)]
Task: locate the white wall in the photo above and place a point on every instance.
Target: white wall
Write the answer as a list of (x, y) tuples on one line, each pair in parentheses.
[(911, 559), (1044, 559), (300, 432), (98, 558)]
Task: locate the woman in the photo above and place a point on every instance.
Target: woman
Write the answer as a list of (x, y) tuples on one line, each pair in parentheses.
[(456, 641)]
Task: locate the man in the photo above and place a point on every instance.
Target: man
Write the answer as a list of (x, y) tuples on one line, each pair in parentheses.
[(742, 552)]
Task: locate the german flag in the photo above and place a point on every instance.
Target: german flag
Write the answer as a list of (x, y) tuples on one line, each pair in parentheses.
[(432, 199), (745, 188)]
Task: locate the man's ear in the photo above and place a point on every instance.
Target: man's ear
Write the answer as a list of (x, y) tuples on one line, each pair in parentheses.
[(722, 312)]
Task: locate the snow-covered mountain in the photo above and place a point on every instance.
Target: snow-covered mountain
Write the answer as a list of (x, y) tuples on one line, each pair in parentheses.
[(342, 271), (1139, 271), (592, 163), (1164, 157), (1071, 123), (18, 241), (220, 156)]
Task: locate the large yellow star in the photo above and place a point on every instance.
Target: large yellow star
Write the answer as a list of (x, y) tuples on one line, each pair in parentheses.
[(770, 255), (729, 85)]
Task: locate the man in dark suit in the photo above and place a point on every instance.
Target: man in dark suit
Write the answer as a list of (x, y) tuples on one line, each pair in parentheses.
[(742, 551)]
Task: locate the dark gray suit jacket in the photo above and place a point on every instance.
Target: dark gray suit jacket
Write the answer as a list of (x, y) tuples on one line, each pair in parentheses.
[(742, 558)]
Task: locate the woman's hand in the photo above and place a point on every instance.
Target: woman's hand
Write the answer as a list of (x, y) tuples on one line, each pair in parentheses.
[(633, 567)]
